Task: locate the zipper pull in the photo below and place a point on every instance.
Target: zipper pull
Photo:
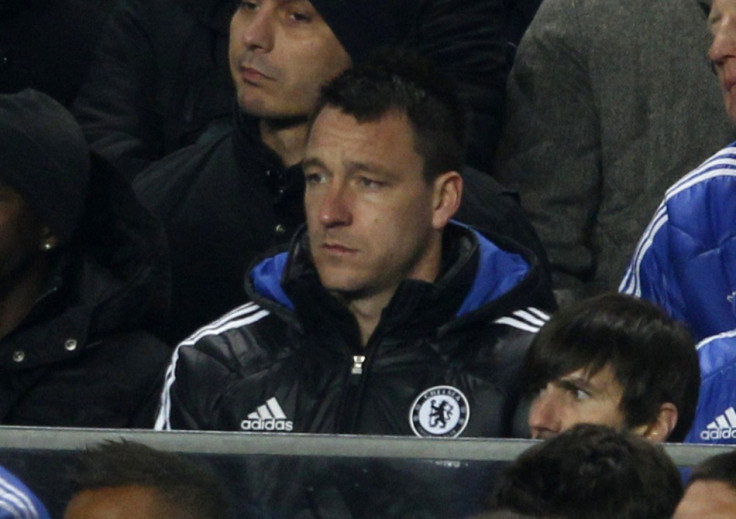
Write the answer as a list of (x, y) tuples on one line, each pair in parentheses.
[(357, 368)]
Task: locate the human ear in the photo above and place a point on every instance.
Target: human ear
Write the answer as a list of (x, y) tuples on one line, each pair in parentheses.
[(662, 426), (447, 193)]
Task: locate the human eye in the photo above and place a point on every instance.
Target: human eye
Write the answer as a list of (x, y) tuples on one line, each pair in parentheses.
[(300, 16), (370, 183), (581, 394), (247, 5), (314, 177), (575, 391), (299, 12)]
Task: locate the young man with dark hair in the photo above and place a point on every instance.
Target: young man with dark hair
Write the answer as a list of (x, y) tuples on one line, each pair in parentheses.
[(591, 471), (711, 490), (124, 479), (382, 316), (613, 360)]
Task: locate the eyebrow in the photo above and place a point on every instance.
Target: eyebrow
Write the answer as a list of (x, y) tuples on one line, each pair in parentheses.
[(312, 162), (369, 167), (577, 382), (351, 167), (284, 2)]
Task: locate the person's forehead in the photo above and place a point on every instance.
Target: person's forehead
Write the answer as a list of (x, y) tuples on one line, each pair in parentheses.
[(604, 377), (117, 503), (709, 499)]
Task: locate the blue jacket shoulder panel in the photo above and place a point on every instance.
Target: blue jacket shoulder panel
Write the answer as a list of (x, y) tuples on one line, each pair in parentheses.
[(498, 272), (266, 277), (685, 259), (715, 418), (17, 501)]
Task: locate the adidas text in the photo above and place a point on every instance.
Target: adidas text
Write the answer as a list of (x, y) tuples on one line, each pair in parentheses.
[(268, 424), (718, 434)]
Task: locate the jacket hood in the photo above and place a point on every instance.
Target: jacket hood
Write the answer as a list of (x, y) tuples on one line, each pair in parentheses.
[(497, 272)]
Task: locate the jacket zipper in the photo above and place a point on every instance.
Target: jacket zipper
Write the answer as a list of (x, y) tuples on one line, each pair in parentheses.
[(357, 370), (352, 399)]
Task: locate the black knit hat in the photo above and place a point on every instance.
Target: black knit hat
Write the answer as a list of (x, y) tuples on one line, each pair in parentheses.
[(364, 25), (44, 157)]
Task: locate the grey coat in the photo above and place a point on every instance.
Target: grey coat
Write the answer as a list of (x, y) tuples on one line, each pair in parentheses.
[(609, 103)]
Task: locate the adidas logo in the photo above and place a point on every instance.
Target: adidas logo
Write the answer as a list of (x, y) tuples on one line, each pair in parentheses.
[(722, 428), (268, 417)]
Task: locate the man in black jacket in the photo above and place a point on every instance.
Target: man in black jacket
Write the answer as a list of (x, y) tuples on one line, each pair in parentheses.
[(383, 316), (225, 202)]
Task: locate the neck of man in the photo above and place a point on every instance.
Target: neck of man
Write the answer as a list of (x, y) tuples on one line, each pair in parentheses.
[(287, 137), (19, 292), (367, 311), (367, 308)]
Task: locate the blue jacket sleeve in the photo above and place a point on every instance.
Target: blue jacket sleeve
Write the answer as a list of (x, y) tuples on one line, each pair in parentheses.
[(17, 501)]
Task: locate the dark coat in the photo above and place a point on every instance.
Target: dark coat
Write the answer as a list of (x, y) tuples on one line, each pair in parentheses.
[(81, 358), (224, 203), (292, 362), (159, 81), (48, 44)]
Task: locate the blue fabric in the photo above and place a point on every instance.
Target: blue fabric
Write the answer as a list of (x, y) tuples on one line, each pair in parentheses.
[(266, 278), (498, 272), (715, 418), (686, 258), (17, 501)]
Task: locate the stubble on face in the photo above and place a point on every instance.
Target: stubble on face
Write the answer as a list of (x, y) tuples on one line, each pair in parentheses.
[(369, 208), (280, 55)]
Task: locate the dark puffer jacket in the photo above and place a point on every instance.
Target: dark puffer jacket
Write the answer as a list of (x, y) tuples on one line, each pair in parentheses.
[(159, 82), (81, 357), (444, 361)]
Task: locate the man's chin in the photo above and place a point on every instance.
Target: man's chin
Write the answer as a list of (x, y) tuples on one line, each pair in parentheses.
[(277, 118)]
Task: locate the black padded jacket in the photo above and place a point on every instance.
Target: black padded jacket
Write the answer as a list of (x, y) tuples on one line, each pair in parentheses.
[(444, 361)]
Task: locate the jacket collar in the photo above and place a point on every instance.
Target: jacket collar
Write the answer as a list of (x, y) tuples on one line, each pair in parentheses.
[(286, 184), (475, 274)]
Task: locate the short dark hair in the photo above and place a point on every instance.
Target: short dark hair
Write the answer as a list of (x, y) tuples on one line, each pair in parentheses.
[(183, 484), (652, 355), (400, 80), (721, 467), (591, 471)]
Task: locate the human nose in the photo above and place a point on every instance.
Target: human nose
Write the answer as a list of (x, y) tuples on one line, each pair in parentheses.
[(257, 29), (723, 45), (544, 416), (335, 207)]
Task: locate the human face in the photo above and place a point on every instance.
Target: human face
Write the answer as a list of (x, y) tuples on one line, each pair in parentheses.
[(281, 52), (722, 53), (122, 502), (21, 236), (371, 214), (575, 398), (707, 499)]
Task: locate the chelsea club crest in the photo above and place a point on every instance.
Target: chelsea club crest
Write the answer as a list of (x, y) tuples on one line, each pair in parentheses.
[(440, 411)]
